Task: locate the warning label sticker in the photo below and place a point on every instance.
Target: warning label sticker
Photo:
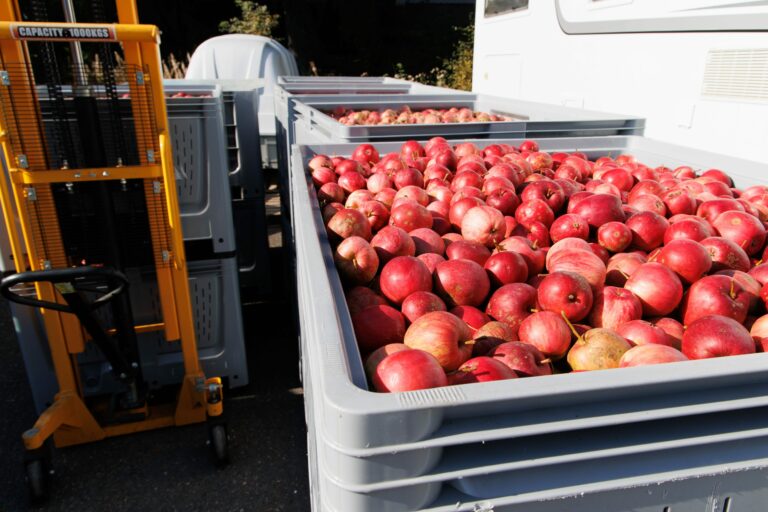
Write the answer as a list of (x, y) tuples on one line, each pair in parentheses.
[(63, 32)]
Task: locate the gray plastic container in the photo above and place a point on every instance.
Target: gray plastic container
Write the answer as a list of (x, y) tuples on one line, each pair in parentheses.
[(506, 444), (218, 320), (527, 119), (196, 128), (246, 175), (241, 124)]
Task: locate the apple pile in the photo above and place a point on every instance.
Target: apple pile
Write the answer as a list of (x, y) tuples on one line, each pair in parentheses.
[(464, 264), (407, 116)]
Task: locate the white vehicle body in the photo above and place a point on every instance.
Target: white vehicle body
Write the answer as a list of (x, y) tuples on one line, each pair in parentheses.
[(697, 70)]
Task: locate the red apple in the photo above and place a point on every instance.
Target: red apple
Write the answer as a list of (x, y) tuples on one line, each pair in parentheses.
[(687, 258), (712, 208), (726, 254), (648, 230), (743, 229), (621, 266), (534, 210), (490, 336), (408, 370), (357, 198), (613, 307), (402, 276), (640, 332), (715, 295), (360, 297), (569, 225), (420, 303), (378, 355), (716, 336), (431, 260), (547, 331), (533, 256), (415, 193), (472, 316), (466, 250), (365, 153), (546, 190), (599, 209), (347, 223), (376, 213), (426, 240), (506, 267), (356, 260), (504, 200), (512, 303), (687, 229), (391, 242), (642, 355), (351, 181), (481, 369), (410, 215), (443, 335), (376, 326), (614, 236), (460, 207), (658, 288), (461, 282), (566, 292), (585, 263), (523, 358), (484, 225)]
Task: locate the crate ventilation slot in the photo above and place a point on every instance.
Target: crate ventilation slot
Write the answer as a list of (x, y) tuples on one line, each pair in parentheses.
[(737, 75), (431, 396)]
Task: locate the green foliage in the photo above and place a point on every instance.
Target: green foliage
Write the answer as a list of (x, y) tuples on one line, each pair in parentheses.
[(254, 19), (455, 71), (458, 67)]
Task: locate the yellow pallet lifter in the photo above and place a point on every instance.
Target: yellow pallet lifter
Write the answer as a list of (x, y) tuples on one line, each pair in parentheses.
[(90, 190)]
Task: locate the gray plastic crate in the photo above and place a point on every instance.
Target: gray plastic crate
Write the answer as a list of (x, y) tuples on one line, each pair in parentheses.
[(246, 176), (502, 443), (528, 119), (218, 320), (196, 128), (241, 124)]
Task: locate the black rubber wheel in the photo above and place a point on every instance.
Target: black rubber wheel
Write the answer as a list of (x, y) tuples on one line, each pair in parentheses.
[(38, 480), (219, 444)]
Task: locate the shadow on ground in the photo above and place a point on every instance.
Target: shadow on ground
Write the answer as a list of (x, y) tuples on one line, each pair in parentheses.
[(170, 469)]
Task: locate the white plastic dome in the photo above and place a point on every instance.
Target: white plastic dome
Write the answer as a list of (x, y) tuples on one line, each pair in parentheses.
[(243, 57)]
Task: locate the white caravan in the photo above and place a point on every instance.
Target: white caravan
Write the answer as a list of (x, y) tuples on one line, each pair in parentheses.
[(697, 70)]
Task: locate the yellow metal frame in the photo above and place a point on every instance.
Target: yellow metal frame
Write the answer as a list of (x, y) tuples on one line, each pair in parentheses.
[(69, 420)]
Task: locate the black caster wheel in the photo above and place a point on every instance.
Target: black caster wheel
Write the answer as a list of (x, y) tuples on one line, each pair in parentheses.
[(38, 480), (219, 444)]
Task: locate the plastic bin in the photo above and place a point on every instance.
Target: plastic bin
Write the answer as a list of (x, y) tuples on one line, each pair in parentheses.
[(527, 119), (218, 325), (196, 128), (246, 176), (588, 441)]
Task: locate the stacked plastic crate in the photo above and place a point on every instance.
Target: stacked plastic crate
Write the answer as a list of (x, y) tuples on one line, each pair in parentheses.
[(197, 126), (641, 439)]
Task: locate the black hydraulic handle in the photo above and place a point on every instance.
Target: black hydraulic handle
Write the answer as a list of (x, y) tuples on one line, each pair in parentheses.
[(65, 278)]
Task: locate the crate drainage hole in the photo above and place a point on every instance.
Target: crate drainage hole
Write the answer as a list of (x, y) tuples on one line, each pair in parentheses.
[(727, 504), (667, 509)]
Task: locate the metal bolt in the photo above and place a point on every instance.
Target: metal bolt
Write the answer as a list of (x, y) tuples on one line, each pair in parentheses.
[(123, 375), (105, 173), (134, 364)]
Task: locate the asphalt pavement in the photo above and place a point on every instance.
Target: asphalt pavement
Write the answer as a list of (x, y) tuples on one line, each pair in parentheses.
[(170, 469)]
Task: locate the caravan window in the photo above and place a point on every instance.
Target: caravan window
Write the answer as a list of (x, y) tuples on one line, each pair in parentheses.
[(495, 7)]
